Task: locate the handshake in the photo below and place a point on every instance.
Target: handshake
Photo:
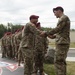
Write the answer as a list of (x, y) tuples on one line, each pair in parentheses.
[(43, 34)]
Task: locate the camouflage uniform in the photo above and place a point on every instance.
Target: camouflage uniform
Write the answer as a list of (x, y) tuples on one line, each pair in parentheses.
[(62, 32), (20, 55), (13, 46), (40, 50), (3, 46), (16, 44), (27, 47), (18, 37), (8, 46)]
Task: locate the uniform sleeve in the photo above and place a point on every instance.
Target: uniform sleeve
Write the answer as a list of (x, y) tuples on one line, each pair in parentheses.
[(59, 27), (34, 30), (25, 30)]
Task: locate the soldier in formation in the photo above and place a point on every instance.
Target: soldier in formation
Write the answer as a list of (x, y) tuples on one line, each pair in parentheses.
[(3, 46), (10, 44), (41, 46)]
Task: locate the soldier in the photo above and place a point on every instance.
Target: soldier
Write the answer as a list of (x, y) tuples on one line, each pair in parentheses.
[(16, 43), (40, 50), (3, 46), (62, 36), (13, 45), (28, 43), (19, 38), (8, 45)]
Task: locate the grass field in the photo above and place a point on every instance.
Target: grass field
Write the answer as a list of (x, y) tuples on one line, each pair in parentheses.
[(49, 68), (72, 36)]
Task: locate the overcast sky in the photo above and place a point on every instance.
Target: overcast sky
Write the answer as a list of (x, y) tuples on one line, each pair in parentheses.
[(18, 11)]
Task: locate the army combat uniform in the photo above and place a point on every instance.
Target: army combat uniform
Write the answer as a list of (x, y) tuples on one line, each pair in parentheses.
[(3, 46), (62, 32), (13, 45), (20, 55), (40, 50), (18, 37), (27, 47), (8, 46)]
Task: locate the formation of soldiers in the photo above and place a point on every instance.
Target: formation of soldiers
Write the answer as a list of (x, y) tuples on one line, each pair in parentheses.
[(10, 44), (11, 48)]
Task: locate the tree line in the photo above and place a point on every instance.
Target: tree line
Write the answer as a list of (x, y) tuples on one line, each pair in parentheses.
[(9, 28), (13, 27)]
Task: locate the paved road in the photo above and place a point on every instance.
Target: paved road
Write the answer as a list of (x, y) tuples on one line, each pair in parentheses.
[(71, 53), (10, 67)]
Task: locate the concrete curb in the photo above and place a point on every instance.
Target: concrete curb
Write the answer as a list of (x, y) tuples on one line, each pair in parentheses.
[(70, 59), (69, 48)]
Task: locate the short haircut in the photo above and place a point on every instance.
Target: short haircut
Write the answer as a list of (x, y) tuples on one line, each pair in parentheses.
[(58, 8)]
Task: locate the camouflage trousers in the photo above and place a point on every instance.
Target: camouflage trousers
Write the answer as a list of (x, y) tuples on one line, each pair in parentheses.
[(28, 60), (13, 51), (3, 49), (38, 61), (20, 56), (9, 51), (16, 51), (60, 59)]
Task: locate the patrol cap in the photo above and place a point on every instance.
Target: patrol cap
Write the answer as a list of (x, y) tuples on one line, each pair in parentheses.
[(34, 17), (58, 8)]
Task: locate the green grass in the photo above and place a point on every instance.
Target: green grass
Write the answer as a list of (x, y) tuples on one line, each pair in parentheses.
[(71, 68), (72, 44), (49, 68)]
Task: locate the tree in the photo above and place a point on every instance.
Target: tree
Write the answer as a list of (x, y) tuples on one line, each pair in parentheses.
[(3, 29)]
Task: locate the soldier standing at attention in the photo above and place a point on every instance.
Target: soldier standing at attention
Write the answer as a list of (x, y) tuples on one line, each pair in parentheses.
[(3, 46), (40, 50), (62, 35), (13, 45), (8, 43), (28, 43)]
